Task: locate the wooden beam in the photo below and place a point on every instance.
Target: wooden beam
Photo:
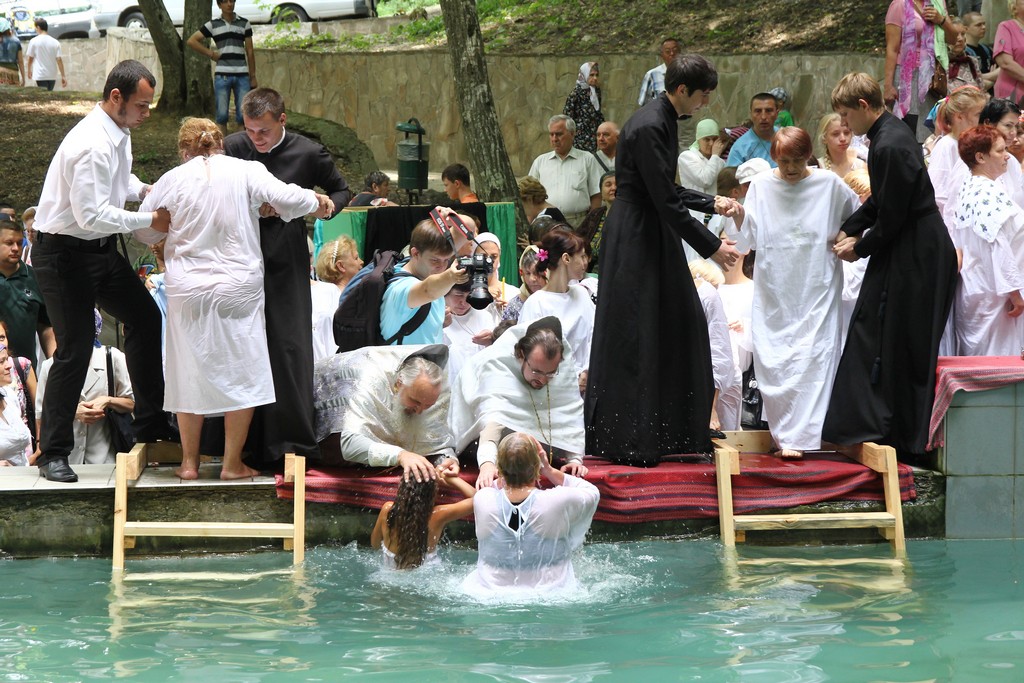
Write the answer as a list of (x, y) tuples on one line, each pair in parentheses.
[(135, 461), (120, 507), (299, 507), (211, 529), (748, 442), (726, 457), (828, 520)]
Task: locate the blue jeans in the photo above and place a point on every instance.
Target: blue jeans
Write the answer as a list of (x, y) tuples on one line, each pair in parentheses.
[(223, 86)]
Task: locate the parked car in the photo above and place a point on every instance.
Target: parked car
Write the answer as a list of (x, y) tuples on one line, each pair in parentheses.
[(126, 13), (64, 18)]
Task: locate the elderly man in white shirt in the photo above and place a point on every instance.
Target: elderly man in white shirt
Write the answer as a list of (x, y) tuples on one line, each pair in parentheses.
[(78, 267), (383, 406), (571, 176)]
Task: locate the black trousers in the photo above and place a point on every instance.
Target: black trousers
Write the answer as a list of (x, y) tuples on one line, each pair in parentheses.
[(74, 277)]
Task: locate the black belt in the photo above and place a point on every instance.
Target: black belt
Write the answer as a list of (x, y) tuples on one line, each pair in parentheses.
[(76, 243)]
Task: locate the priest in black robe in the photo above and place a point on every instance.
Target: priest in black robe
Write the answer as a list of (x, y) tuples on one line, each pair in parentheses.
[(650, 387), (285, 426), (885, 383)]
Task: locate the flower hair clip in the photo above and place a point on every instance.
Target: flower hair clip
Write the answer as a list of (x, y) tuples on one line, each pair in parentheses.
[(542, 254)]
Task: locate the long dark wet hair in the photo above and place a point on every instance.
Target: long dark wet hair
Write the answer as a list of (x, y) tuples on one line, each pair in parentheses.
[(408, 519)]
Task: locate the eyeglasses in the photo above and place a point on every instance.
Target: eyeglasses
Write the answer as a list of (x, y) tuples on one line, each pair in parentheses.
[(549, 375)]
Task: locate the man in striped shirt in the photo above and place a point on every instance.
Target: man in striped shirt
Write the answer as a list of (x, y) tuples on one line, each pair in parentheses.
[(236, 62)]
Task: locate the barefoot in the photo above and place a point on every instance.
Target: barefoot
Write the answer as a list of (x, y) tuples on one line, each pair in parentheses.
[(187, 473), (790, 454), (243, 472)]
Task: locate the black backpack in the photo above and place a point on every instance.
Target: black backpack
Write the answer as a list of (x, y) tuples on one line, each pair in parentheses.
[(357, 320)]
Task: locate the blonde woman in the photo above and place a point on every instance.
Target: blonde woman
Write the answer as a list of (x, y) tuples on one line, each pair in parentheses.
[(946, 170), (217, 358), (338, 262), (834, 139)]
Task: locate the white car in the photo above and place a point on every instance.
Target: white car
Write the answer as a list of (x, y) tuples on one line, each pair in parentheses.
[(127, 13), (64, 18)]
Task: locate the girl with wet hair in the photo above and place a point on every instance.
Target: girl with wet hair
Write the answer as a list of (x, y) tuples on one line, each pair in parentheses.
[(409, 527)]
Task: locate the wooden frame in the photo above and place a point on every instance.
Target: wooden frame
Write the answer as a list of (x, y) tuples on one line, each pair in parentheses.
[(130, 466), (881, 459)]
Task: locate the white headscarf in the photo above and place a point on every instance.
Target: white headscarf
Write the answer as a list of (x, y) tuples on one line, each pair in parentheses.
[(582, 79)]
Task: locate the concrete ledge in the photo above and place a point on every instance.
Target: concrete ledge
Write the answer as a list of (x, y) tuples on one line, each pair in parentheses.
[(45, 519)]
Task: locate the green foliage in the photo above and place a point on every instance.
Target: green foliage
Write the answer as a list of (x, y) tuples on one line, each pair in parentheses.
[(388, 8), (291, 40)]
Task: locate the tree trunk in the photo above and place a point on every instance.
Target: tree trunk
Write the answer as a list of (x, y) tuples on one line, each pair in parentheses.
[(199, 96), (488, 156), (169, 49)]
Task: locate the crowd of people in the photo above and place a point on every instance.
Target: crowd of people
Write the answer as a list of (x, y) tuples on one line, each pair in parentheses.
[(795, 280)]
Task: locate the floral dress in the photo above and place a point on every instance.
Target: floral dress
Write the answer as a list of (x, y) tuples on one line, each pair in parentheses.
[(580, 109)]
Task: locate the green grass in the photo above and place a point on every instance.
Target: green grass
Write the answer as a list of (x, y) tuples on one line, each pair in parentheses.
[(389, 8)]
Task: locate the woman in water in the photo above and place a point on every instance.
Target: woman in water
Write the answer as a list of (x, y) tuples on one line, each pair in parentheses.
[(409, 527)]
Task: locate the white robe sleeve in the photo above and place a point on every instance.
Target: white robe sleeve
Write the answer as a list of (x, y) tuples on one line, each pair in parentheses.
[(722, 364), (289, 200), (1006, 273)]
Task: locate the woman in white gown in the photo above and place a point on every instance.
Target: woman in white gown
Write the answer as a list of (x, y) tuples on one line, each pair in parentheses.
[(563, 257), (991, 226), (791, 217), (217, 359), (525, 535), (947, 172)]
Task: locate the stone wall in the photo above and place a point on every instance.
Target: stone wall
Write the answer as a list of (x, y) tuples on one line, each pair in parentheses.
[(371, 92)]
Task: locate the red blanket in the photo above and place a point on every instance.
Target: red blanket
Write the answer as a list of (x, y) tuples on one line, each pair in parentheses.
[(968, 373), (670, 491)]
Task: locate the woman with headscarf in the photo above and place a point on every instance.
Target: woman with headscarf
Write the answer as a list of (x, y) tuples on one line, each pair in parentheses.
[(584, 107)]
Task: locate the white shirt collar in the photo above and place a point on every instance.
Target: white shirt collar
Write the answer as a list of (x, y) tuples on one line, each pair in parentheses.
[(278, 143)]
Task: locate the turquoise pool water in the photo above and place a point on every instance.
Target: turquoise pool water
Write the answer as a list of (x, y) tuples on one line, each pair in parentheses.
[(650, 611)]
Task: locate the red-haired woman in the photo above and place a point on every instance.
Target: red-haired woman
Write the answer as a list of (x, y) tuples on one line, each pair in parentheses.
[(991, 229), (792, 216)]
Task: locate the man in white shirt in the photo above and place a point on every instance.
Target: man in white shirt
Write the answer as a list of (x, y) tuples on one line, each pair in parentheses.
[(607, 141), (654, 80), (78, 266), (44, 58), (570, 175)]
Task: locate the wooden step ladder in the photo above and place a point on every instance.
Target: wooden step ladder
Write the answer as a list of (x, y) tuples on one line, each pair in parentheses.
[(881, 459), (130, 466)]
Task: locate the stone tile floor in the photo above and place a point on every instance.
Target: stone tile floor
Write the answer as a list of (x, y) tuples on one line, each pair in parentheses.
[(102, 477)]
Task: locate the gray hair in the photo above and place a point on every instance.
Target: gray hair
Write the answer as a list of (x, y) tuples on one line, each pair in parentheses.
[(415, 367), (570, 125)]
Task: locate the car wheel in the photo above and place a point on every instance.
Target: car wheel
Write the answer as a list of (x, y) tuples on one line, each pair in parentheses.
[(134, 20), (284, 13)]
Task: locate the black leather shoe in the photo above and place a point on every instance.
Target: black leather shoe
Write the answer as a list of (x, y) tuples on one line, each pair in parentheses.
[(58, 470)]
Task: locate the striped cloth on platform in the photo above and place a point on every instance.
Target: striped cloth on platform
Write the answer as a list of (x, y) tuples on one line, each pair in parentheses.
[(968, 373), (670, 491)]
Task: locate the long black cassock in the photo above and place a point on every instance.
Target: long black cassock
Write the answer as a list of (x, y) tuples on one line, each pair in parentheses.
[(650, 386), (885, 383), (286, 426)]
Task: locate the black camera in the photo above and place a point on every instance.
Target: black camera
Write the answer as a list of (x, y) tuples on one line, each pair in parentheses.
[(479, 267)]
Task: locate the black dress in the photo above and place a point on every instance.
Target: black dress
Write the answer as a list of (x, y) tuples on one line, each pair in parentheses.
[(885, 383), (286, 426), (650, 386)]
